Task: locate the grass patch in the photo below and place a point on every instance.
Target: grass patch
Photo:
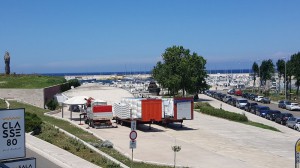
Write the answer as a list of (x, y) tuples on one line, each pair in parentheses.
[(53, 136), (29, 81), (206, 108)]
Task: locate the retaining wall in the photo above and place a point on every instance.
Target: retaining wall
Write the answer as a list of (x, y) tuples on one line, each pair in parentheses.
[(36, 97)]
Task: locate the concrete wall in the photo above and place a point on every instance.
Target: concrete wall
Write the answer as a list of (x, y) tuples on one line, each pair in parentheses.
[(36, 97), (32, 96)]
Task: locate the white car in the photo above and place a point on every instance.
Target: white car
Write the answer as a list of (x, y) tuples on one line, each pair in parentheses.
[(258, 98), (292, 106), (297, 126)]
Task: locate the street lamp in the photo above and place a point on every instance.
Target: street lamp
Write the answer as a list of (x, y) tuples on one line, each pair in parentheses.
[(259, 78)]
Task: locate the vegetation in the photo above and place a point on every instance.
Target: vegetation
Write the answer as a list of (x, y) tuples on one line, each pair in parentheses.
[(52, 104), (206, 108), (255, 70), (287, 69), (280, 64), (295, 60), (266, 70), (51, 135), (181, 70), (66, 86), (29, 81), (33, 123)]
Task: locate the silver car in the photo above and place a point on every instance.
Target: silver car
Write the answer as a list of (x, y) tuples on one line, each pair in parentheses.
[(291, 122), (241, 103)]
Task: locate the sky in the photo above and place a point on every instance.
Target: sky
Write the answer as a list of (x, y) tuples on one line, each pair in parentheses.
[(63, 36)]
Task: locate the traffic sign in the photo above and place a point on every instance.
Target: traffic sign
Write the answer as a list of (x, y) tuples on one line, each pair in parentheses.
[(132, 144), (133, 125), (133, 135)]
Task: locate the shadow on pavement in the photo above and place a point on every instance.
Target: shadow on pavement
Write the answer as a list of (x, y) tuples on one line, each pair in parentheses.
[(147, 128), (177, 127)]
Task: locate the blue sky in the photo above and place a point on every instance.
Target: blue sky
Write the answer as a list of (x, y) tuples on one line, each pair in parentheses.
[(99, 36)]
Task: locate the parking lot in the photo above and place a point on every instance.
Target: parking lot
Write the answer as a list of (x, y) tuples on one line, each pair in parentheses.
[(205, 141), (273, 106)]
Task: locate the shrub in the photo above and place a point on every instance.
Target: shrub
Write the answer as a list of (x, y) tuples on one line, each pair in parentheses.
[(64, 87), (74, 82), (67, 86), (32, 123), (52, 104), (209, 110)]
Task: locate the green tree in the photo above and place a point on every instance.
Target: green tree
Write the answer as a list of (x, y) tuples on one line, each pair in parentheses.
[(295, 61), (289, 74), (255, 70), (181, 70), (266, 70), (280, 64)]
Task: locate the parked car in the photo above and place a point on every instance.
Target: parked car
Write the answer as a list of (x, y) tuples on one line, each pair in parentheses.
[(233, 101), (266, 100), (291, 122), (283, 117), (226, 98), (229, 101), (238, 92), (261, 110), (271, 115), (249, 106), (258, 98), (292, 106), (245, 95), (282, 103), (231, 91), (241, 103), (297, 126), (252, 96)]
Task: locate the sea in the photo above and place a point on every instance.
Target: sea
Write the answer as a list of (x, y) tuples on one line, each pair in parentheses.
[(212, 71)]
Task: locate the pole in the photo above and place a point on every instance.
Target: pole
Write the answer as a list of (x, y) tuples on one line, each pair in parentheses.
[(284, 79), (131, 157), (259, 79), (174, 159)]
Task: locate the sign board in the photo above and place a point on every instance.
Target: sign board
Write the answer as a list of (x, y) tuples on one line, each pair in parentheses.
[(133, 135), (132, 144), (26, 163), (133, 125), (12, 133), (297, 153)]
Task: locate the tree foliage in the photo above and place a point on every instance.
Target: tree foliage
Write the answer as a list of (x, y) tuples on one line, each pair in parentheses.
[(280, 64), (266, 70), (255, 70), (295, 61), (181, 70)]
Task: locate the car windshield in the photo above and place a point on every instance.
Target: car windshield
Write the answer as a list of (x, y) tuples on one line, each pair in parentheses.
[(288, 103), (265, 108), (294, 104), (243, 101)]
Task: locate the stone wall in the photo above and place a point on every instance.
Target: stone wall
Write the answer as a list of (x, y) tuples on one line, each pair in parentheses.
[(49, 92)]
